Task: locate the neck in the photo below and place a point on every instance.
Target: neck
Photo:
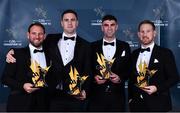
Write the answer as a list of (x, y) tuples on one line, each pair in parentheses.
[(109, 39), (70, 34), (147, 45)]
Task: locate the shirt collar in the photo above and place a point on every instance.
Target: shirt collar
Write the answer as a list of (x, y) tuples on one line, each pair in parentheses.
[(32, 48), (74, 35), (109, 41), (151, 46)]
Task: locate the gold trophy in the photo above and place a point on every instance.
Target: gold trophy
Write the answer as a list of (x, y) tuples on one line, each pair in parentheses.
[(39, 74), (104, 66), (144, 75), (76, 81)]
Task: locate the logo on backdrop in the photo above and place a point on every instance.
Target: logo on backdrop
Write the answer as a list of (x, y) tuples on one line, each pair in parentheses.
[(12, 43), (99, 12), (42, 16), (12, 32), (130, 35)]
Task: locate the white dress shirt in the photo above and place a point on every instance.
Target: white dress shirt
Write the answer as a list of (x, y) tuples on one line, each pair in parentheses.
[(109, 50), (66, 48), (39, 57), (145, 56)]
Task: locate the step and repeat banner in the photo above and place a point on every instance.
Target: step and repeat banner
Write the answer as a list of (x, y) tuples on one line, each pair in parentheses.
[(17, 15)]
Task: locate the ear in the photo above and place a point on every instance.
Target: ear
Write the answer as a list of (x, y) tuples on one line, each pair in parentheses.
[(27, 35), (102, 28), (45, 36), (117, 27), (77, 23), (138, 34), (155, 32), (61, 23)]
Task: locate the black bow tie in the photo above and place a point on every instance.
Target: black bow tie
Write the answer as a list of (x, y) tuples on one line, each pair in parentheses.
[(36, 50), (107, 43), (146, 49), (71, 38)]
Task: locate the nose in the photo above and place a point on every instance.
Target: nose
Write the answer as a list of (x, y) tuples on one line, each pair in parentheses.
[(69, 22), (144, 34)]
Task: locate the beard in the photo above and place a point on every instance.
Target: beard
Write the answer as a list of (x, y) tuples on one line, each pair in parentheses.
[(36, 44)]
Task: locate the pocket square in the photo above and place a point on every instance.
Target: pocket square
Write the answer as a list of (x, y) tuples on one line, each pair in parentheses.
[(156, 61), (123, 54)]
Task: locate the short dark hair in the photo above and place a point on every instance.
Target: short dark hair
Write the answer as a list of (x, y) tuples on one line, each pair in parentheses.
[(36, 24), (109, 17), (69, 11), (146, 22)]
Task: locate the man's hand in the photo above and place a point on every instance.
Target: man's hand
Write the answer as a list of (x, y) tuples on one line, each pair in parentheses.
[(9, 57), (115, 78), (82, 95), (150, 89), (28, 87), (99, 79)]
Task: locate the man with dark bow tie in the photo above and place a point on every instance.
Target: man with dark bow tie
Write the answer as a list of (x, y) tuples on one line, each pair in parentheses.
[(25, 94), (154, 72), (70, 54), (70, 70), (111, 64)]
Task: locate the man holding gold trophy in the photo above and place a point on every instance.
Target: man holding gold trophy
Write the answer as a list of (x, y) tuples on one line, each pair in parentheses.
[(26, 76), (111, 67), (68, 77), (154, 72), (70, 56)]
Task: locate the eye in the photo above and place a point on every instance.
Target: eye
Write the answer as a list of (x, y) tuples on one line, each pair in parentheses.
[(105, 25)]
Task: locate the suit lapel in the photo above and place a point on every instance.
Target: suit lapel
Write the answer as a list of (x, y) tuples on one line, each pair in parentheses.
[(118, 49), (48, 61), (56, 52), (100, 47), (153, 57), (76, 48), (135, 58), (27, 55)]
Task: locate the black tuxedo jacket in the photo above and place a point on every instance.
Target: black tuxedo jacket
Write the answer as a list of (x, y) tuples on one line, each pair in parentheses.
[(121, 67), (60, 73), (14, 76), (163, 61)]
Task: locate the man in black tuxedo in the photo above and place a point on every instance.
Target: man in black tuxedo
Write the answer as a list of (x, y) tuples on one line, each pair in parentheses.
[(111, 67), (154, 72), (68, 51), (18, 76)]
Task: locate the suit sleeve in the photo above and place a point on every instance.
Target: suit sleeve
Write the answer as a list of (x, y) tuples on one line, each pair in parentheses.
[(126, 70), (9, 75), (170, 72), (87, 68)]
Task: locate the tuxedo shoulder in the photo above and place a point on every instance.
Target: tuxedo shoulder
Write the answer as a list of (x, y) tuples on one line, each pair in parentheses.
[(122, 42), (19, 49), (136, 51), (97, 42), (20, 52), (84, 41), (54, 35), (51, 38), (165, 51)]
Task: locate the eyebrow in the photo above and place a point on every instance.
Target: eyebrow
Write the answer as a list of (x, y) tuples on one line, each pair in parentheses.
[(109, 24)]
